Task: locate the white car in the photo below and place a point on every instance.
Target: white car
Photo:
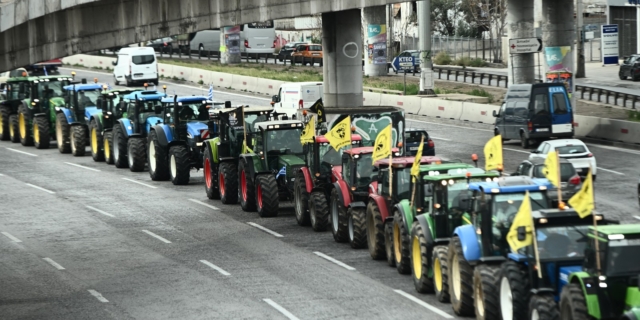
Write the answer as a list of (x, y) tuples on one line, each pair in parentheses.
[(574, 150)]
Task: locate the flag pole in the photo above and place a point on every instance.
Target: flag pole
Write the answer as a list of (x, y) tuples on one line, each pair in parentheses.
[(244, 129), (415, 180), (559, 181), (391, 165), (595, 225), (535, 241)]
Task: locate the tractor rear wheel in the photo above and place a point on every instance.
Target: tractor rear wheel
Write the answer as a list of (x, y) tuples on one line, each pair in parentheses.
[(78, 140), (460, 280), (375, 232), (357, 227), (401, 244), (41, 133), (5, 113), (419, 261), (157, 159), (179, 165), (388, 244), (108, 146), (212, 187), (26, 138), (339, 219), (228, 183), (544, 306), (572, 303), (514, 291), (247, 189), (119, 147), (267, 197), (136, 154), (440, 267), (318, 211), (14, 128), (301, 199), (485, 292), (96, 142), (62, 133)]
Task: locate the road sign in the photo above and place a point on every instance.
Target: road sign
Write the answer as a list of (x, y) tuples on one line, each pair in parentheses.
[(525, 45), (403, 63)]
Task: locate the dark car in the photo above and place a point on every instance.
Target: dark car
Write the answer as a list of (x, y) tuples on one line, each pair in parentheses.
[(163, 44), (287, 50), (630, 67), (570, 180), (412, 138)]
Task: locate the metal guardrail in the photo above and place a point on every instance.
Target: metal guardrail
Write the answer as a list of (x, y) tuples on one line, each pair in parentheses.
[(633, 98)]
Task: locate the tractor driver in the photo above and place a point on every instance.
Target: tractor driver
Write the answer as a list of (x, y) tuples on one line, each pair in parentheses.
[(503, 218), (84, 101), (186, 113)]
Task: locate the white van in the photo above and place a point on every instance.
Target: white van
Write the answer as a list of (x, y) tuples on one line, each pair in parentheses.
[(136, 64), (296, 95)]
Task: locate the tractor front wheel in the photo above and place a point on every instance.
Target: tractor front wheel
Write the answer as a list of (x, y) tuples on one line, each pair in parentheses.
[(357, 227), (213, 191), (14, 128), (157, 158), (267, 197), (26, 138), (514, 291), (485, 292), (41, 133), (301, 199), (96, 142), (318, 211), (108, 146), (460, 280), (247, 189), (136, 154), (401, 244), (338, 219), (119, 147), (572, 303), (388, 244), (419, 261), (375, 232), (440, 267), (5, 113), (78, 140), (543, 307), (179, 165), (228, 183)]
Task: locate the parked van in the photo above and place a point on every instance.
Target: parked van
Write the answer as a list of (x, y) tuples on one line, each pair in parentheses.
[(296, 95), (136, 64), (535, 112)]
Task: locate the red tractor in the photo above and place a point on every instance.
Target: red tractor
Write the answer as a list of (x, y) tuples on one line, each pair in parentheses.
[(314, 182)]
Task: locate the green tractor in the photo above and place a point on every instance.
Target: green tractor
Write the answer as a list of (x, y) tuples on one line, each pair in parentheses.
[(113, 106), (267, 175), (221, 153), (613, 290)]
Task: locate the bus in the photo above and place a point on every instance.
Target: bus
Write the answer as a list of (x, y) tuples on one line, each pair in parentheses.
[(258, 38)]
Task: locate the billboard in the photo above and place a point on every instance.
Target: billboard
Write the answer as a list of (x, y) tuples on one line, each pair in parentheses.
[(559, 66), (377, 44), (609, 44)]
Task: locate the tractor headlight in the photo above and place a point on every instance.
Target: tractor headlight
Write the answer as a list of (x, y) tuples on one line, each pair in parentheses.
[(199, 144)]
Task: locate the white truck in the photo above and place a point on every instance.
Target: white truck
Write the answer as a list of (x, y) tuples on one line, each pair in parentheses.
[(294, 96)]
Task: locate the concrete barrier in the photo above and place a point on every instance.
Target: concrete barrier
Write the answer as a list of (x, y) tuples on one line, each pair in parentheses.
[(391, 100), (476, 112), (165, 70), (181, 72), (619, 130), (268, 87), (371, 98), (441, 108), (221, 80), (410, 104), (243, 83)]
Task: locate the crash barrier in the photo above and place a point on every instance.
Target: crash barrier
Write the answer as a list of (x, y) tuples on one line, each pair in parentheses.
[(597, 94), (600, 128), (457, 74), (382, 90)]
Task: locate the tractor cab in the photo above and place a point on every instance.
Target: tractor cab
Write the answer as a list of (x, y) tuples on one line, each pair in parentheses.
[(322, 159), (47, 88), (113, 105), (188, 117), (278, 144), (228, 127), (401, 175), (80, 101), (144, 109), (358, 171)]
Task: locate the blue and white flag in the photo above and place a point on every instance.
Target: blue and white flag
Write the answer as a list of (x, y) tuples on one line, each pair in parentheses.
[(45, 71), (211, 92), (282, 171), (154, 88), (108, 86)]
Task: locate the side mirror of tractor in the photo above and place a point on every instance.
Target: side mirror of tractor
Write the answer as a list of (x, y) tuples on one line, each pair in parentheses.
[(522, 233), (227, 104)]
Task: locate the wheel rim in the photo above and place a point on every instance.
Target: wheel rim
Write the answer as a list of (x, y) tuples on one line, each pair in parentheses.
[(207, 173), (259, 195), (1, 124), (36, 133), (298, 202), (535, 315), (116, 150), (174, 167), (334, 215), (59, 134), (437, 274), (371, 231), (152, 157), (479, 299), (22, 125), (506, 302), (455, 277), (243, 185), (11, 130), (94, 140), (130, 157), (416, 257), (350, 227), (107, 149), (73, 143), (396, 242), (221, 180)]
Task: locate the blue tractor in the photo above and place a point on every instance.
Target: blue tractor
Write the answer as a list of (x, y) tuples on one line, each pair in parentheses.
[(477, 250), (144, 110), (176, 145)]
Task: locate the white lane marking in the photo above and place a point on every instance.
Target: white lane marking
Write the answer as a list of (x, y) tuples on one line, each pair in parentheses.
[(614, 148), (102, 212), (10, 236), (98, 295), (340, 263), (140, 183), (436, 138), (216, 268), (424, 304), (40, 188), (265, 229), (449, 125), (616, 172), (156, 236), (53, 263), (204, 204), (280, 309), (27, 153), (516, 150), (81, 166)]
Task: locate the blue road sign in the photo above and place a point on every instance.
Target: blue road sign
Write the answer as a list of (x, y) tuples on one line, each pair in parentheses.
[(403, 63)]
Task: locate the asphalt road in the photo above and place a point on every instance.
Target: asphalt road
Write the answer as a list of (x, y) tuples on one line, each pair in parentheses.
[(81, 240)]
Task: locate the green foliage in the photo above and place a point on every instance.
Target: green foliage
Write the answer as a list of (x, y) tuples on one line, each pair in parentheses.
[(478, 63), (288, 74), (442, 58), (200, 82), (463, 62), (633, 115), (474, 92)]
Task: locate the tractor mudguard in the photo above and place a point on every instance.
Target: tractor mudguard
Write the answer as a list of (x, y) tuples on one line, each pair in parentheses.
[(590, 295), (68, 114), (343, 192), (164, 134), (248, 160), (469, 240), (91, 112), (426, 229), (382, 205), (212, 146), (126, 125), (336, 174), (373, 187), (358, 204), (407, 212), (98, 119), (194, 128), (307, 179)]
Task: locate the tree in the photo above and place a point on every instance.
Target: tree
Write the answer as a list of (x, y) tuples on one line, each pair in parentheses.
[(446, 15), (490, 16)]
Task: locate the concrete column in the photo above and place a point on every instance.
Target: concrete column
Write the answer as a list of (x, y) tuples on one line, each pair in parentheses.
[(229, 49), (342, 50), (424, 36), (558, 27), (375, 40), (520, 25)]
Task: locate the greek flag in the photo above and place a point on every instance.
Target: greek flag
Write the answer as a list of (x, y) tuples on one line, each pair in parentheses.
[(282, 171), (211, 92), (154, 88), (108, 86), (45, 71)]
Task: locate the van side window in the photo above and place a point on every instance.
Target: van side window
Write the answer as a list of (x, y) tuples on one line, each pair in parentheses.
[(546, 148), (559, 104), (541, 104)]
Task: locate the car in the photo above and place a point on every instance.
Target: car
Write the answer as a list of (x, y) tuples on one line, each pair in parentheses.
[(569, 178), (412, 138), (163, 44), (630, 67), (416, 58), (287, 50), (573, 150), (307, 53)]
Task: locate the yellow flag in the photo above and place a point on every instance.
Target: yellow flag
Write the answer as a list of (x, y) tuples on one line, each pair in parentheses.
[(308, 132), (523, 219), (415, 170), (583, 201), (340, 135), (382, 146), (551, 168), (493, 153)]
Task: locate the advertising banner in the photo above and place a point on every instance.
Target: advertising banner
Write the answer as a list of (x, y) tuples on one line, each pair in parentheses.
[(232, 39), (559, 66), (377, 43), (609, 44)]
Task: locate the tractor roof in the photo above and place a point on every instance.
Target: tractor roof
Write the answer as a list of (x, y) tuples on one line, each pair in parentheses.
[(558, 215), (402, 162), (83, 87), (516, 184), (145, 95), (56, 78), (280, 124), (364, 150), (625, 229), (415, 130), (250, 110), (323, 139), (438, 172), (187, 99), (21, 79)]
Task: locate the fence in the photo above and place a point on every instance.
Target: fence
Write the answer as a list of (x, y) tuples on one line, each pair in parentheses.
[(489, 50)]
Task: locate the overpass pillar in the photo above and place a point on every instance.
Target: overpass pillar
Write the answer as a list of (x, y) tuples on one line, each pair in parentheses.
[(230, 45), (558, 36), (375, 42), (342, 51), (520, 25)]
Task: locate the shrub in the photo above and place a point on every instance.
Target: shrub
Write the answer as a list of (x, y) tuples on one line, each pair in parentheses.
[(442, 58), (477, 63), (463, 62), (200, 82)]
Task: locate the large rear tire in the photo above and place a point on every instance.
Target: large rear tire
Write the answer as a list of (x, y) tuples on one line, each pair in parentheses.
[(157, 158), (339, 219), (301, 200), (440, 272), (267, 197), (41, 133), (357, 227), (5, 114), (62, 133), (78, 140), (14, 128), (485, 288), (26, 137), (179, 165), (401, 244), (460, 280), (318, 211), (514, 291), (388, 244), (212, 187), (375, 232), (247, 189), (136, 154), (543, 307), (119, 147), (228, 183), (419, 262), (96, 142), (108, 146), (572, 303)]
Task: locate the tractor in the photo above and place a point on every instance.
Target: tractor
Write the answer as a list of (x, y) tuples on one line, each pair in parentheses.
[(435, 213), (130, 132), (113, 106), (221, 153), (610, 290), (482, 244), (315, 181), (266, 173), (176, 144)]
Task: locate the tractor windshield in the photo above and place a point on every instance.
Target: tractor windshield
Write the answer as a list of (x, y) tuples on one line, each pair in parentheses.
[(191, 112), (403, 176), (623, 257), (557, 242), (505, 206), (88, 98), (54, 88), (364, 171), (457, 190), (285, 141), (329, 155), (251, 119)]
